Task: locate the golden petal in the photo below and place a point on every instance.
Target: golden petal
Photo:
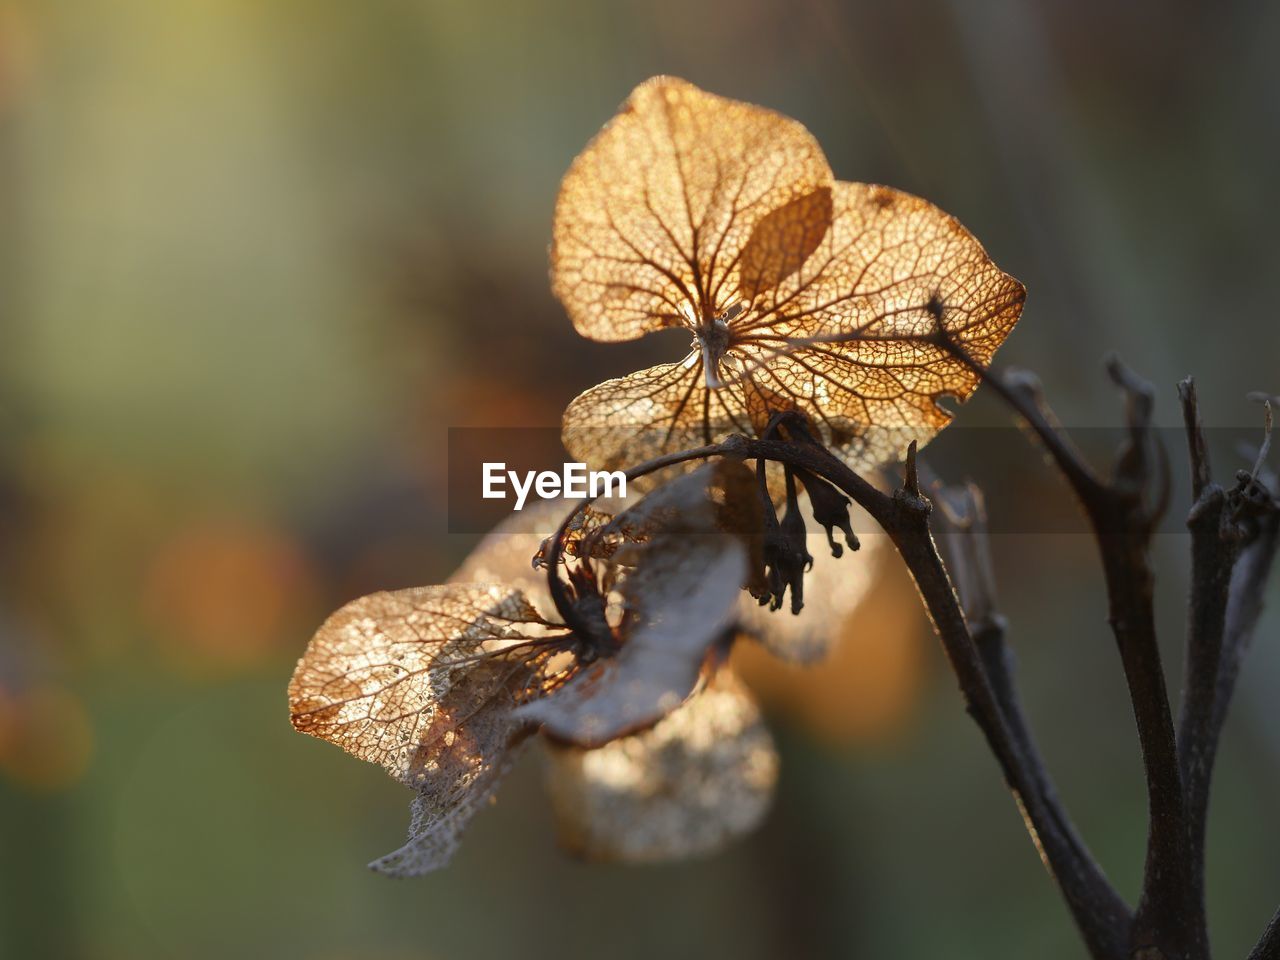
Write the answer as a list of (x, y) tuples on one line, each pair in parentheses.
[(654, 216), (426, 682), (849, 339)]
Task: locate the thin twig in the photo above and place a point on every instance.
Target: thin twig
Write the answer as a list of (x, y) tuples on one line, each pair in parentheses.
[(1198, 450), (1213, 555), (968, 553), (1248, 588)]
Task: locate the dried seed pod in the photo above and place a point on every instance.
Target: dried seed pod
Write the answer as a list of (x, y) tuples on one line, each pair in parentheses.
[(830, 508)]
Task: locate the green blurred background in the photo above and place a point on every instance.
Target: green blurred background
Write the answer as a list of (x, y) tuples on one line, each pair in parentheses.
[(256, 256)]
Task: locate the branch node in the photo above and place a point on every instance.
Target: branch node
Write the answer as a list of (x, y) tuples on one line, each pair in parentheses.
[(1201, 468), (911, 483), (1133, 461)]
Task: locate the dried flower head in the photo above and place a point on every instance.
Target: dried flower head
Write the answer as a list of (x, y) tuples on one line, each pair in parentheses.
[(801, 292), (440, 684), (845, 312)]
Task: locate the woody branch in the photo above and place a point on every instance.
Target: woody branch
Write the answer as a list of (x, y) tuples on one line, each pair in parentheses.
[(1234, 538), (1235, 535), (1098, 910)]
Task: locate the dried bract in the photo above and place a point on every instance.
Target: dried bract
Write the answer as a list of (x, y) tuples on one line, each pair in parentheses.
[(830, 508), (506, 553), (717, 497), (426, 682), (654, 215), (440, 684), (700, 778)]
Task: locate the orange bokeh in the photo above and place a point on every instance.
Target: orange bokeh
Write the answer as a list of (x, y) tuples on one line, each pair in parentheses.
[(867, 686), (226, 593), (46, 737)]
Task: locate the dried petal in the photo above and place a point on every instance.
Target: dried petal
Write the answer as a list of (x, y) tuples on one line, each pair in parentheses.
[(689, 541), (462, 778), (700, 778), (425, 682), (664, 408), (785, 551), (719, 496), (830, 508), (677, 602), (850, 340), (655, 214)]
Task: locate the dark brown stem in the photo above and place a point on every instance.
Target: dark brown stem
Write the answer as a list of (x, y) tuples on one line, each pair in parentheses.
[(1268, 948), (1214, 547), (1167, 917), (1098, 910)]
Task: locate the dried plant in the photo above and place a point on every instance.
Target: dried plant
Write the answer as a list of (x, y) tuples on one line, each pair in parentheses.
[(800, 292), (828, 321)]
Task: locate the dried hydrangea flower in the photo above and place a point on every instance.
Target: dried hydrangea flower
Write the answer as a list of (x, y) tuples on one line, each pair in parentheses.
[(801, 292), (440, 684), (704, 774), (688, 541)]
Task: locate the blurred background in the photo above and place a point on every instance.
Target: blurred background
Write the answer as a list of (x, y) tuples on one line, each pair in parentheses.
[(257, 257)]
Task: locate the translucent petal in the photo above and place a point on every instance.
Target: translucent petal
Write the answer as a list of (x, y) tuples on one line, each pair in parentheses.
[(719, 496), (700, 778), (665, 408), (848, 339), (656, 213), (425, 682), (677, 601), (445, 805)]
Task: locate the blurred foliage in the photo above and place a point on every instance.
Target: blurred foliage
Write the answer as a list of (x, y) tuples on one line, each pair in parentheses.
[(256, 258)]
